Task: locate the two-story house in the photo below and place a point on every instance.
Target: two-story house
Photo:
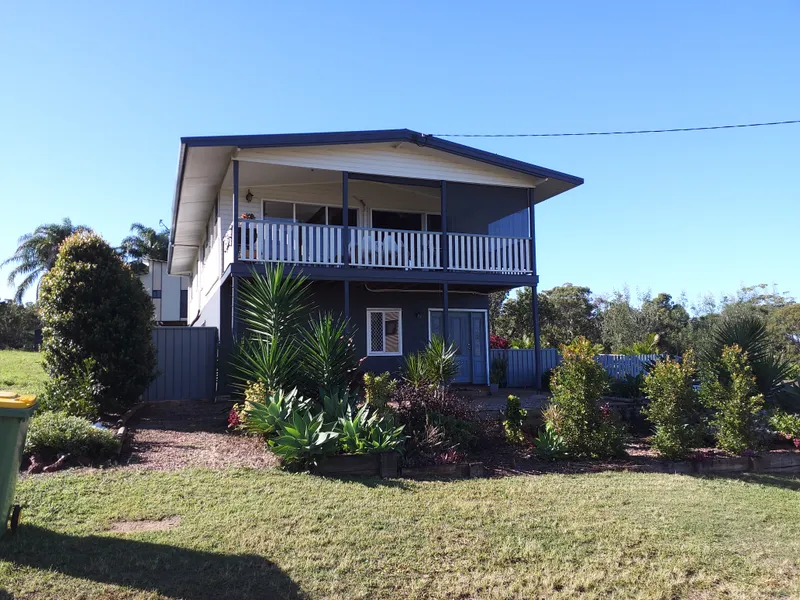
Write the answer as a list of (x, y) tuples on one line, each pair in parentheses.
[(404, 233)]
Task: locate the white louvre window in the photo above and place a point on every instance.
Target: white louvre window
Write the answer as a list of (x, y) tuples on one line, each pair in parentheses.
[(384, 332)]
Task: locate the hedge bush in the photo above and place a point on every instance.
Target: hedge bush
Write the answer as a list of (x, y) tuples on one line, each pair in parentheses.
[(93, 307), (674, 408), (578, 385), (732, 392), (54, 433)]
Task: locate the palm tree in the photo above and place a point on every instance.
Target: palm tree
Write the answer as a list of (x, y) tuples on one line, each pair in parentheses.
[(36, 254), (771, 369), (145, 242)]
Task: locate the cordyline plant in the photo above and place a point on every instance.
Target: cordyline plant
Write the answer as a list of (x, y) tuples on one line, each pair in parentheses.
[(674, 408)]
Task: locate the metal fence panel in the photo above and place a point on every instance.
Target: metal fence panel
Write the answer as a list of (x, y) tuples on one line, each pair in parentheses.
[(521, 370), (187, 364)]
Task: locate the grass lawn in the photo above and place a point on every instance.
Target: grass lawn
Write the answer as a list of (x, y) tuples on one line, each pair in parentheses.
[(21, 371), (266, 534)]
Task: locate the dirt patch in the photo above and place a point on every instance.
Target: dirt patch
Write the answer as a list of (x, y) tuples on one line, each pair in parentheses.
[(145, 525), (172, 435)]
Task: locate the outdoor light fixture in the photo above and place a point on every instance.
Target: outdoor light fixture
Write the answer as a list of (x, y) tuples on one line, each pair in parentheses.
[(249, 196)]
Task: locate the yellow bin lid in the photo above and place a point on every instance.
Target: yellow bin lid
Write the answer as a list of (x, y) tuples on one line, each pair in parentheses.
[(13, 400)]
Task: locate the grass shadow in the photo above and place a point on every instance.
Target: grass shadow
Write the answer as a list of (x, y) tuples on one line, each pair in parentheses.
[(167, 570), (787, 481)]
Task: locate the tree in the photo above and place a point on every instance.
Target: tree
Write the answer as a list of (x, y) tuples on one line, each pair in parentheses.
[(668, 320), (95, 312), (145, 242), (36, 253), (496, 300), (622, 325), (565, 312), (18, 325), (784, 325)]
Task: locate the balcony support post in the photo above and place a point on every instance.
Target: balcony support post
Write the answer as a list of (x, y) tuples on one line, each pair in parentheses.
[(445, 312), (445, 257), (345, 220), (235, 204), (534, 292), (347, 305)]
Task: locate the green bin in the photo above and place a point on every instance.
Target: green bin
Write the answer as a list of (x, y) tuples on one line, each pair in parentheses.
[(15, 411)]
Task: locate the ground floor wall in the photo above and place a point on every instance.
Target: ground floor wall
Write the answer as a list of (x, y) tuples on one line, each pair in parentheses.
[(415, 308)]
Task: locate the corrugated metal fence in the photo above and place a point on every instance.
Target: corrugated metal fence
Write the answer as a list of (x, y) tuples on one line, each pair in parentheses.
[(522, 364), (187, 364)]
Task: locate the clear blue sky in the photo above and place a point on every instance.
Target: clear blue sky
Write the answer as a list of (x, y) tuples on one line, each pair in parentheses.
[(95, 97)]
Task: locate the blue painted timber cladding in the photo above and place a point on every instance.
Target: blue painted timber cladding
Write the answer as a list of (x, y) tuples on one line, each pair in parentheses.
[(187, 362)]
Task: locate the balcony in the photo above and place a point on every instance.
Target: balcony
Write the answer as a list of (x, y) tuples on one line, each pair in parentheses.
[(262, 241)]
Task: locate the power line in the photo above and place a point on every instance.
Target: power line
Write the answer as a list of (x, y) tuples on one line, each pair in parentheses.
[(633, 132)]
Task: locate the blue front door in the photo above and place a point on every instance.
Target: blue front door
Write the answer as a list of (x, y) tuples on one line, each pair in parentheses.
[(466, 332)]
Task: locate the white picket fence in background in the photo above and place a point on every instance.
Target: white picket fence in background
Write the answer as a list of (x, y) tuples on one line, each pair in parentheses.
[(521, 371)]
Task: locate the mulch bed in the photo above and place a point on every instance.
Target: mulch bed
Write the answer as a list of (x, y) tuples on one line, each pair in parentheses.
[(175, 434)]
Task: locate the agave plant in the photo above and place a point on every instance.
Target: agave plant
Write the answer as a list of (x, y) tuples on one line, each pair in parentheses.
[(263, 417), (363, 433), (303, 439), (771, 370), (328, 354), (337, 403)]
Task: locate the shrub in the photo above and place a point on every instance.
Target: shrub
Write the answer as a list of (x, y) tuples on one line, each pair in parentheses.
[(498, 371), (547, 377), (328, 355), (496, 341), (78, 394), (730, 389), (549, 444), (435, 421), (378, 389), (263, 411), (270, 307), (303, 440), (578, 384), (629, 386), (93, 307), (54, 433), (434, 365), (785, 424), (514, 417), (674, 407), (363, 433)]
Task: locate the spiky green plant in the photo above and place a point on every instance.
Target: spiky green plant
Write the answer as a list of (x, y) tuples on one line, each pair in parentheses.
[(748, 332), (440, 359), (363, 433), (270, 307), (415, 370), (328, 354), (304, 439), (263, 417)]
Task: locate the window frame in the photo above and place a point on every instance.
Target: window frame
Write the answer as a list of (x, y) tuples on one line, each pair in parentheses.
[(383, 311)]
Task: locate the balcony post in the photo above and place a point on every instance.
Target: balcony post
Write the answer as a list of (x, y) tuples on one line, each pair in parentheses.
[(345, 219), (445, 312), (445, 258), (534, 292), (236, 233)]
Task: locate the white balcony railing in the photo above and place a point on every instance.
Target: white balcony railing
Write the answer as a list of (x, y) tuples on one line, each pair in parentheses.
[(307, 244), (395, 248), (474, 252)]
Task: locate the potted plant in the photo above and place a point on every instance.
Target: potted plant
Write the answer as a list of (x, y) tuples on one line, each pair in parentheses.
[(497, 375)]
